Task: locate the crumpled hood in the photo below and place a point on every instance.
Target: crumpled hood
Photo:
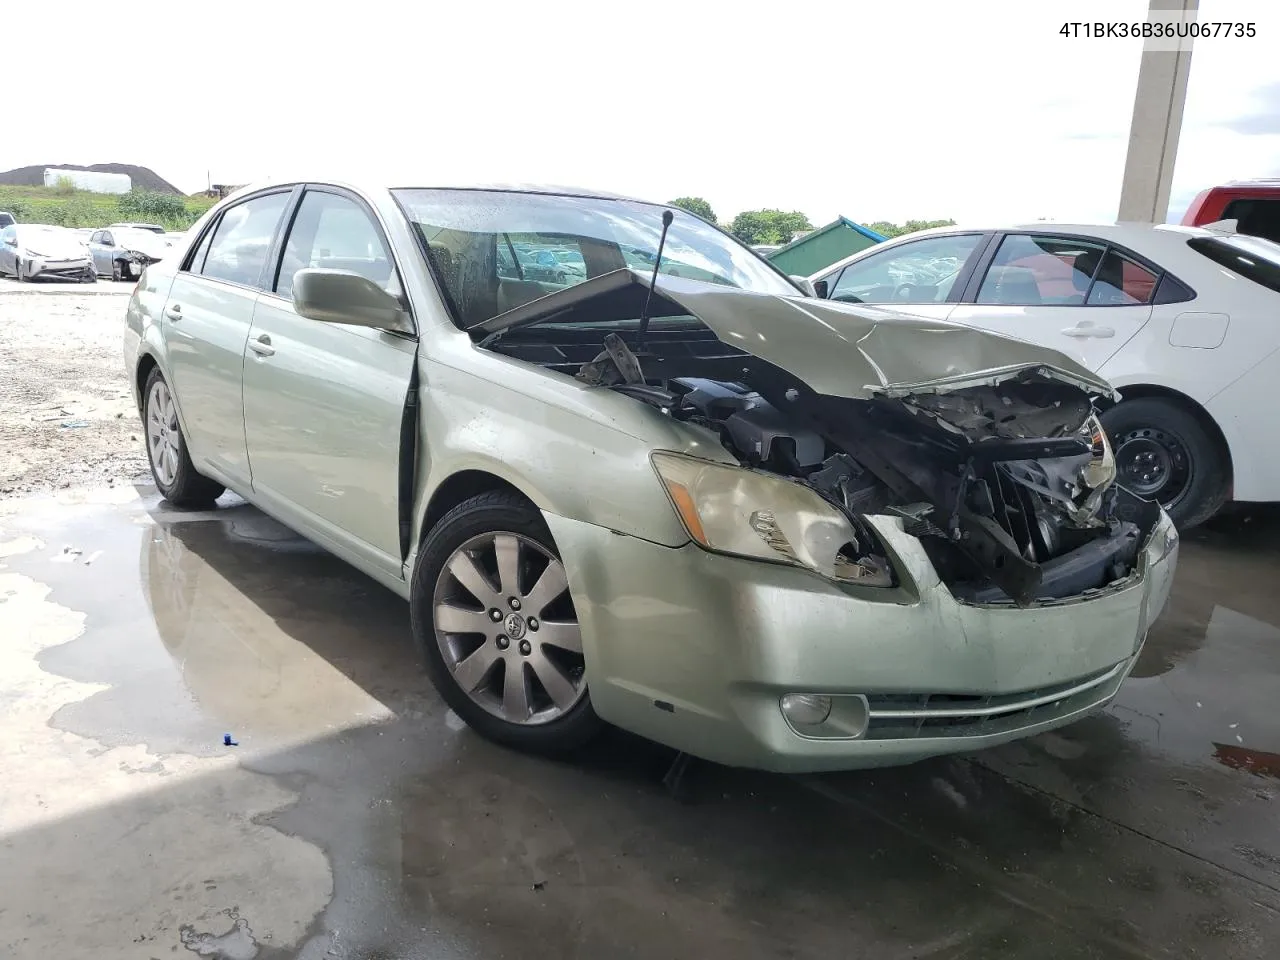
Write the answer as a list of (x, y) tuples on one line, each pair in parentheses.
[(53, 245), (841, 350)]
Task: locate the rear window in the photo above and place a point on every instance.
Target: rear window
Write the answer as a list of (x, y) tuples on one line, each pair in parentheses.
[(1250, 257), (1257, 216)]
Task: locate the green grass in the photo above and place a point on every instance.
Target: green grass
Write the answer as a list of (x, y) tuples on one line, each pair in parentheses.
[(79, 208)]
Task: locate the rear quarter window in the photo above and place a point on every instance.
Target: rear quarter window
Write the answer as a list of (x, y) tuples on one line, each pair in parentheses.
[(1249, 257)]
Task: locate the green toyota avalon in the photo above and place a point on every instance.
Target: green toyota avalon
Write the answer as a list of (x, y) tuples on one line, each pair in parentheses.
[(669, 490)]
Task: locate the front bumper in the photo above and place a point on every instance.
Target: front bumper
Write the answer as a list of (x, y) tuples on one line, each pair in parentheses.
[(42, 267), (695, 650)]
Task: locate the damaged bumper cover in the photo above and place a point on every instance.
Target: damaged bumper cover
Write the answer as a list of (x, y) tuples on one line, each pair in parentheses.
[(910, 672)]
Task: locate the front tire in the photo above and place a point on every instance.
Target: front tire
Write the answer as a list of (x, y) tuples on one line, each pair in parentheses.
[(1164, 452), (18, 273), (171, 466), (491, 611), (116, 271)]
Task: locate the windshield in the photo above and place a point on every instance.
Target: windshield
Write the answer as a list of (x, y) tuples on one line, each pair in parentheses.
[(494, 250)]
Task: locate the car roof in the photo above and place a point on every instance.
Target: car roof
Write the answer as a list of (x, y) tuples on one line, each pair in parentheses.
[(368, 185), (1136, 235)]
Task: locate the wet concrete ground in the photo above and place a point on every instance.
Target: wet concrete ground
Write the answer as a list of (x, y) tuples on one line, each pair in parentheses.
[(357, 818)]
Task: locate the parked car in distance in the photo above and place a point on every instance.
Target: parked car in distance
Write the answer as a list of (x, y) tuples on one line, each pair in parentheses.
[(149, 227), (35, 251), (762, 529), (7, 219), (1181, 320), (123, 253), (1253, 204)]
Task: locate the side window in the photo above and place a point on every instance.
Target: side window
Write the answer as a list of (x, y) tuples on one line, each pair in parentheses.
[(96, 237), (202, 251), (1029, 270), (1259, 217), (335, 233), (920, 271), (107, 238), (238, 249), (1121, 282)]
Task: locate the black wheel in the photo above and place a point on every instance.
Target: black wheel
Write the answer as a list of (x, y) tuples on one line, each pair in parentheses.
[(18, 273), (1165, 453), (171, 466), (491, 610), (116, 271)]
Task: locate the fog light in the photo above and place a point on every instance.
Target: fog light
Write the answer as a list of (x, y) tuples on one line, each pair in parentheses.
[(806, 709)]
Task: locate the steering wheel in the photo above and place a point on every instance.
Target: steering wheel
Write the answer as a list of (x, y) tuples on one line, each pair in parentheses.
[(904, 291)]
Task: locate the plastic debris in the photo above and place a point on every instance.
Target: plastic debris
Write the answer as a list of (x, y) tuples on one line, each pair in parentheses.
[(74, 424), (227, 741)]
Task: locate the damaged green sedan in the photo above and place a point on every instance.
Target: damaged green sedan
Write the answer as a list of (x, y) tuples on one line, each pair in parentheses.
[(693, 502)]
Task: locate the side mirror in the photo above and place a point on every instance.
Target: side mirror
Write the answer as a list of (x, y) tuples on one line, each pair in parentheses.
[(804, 284), (10, 241), (340, 296), (821, 289)]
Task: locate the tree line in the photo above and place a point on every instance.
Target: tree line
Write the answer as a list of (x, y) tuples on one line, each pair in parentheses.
[(771, 226)]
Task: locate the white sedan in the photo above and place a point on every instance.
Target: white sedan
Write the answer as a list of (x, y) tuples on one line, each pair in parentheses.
[(1184, 321)]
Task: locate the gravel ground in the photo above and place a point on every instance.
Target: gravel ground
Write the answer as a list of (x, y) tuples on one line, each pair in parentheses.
[(66, 413)]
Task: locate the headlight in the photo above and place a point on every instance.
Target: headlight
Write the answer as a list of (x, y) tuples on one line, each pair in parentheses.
[(751, 514), (1101, 471)]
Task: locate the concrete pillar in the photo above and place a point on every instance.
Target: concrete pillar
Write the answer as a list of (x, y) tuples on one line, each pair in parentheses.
[(1157, 121)]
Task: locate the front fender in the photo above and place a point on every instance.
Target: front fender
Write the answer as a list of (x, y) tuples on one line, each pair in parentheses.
[(573, 451)]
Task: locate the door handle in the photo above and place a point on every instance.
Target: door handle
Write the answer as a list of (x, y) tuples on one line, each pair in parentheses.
[(173, 312), (262, 346), (1087, 331)]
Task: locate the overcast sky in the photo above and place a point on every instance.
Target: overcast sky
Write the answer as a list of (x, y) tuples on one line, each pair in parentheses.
[(876, 110)]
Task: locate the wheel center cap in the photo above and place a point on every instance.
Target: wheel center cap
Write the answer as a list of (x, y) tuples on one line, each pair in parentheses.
[(515, 626)]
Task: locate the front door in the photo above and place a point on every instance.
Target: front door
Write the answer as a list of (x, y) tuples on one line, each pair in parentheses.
[(324, 403), (206, 323), (1071, 294)]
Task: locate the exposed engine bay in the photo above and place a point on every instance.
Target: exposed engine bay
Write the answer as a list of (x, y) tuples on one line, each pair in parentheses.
[(1008, 480)]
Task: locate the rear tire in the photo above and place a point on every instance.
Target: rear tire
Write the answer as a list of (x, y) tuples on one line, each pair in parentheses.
[(1165, 453), (175, 476), (496, 642)]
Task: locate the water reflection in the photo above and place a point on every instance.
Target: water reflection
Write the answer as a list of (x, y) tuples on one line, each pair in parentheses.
[(242, 605)]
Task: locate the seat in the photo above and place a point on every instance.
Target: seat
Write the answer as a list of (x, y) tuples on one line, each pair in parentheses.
[(1015, 286)]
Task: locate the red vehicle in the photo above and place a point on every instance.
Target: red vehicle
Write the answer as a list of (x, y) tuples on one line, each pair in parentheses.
[(1253, 204)]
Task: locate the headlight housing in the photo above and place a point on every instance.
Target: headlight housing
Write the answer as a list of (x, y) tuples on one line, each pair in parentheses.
[(751, 514)]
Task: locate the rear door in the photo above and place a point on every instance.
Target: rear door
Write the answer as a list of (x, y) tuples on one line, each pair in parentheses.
[(1074, 294), (206, 323), (324, 403), (922, 277)]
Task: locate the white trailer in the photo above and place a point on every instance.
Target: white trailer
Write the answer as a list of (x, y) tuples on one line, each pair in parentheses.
[(89, 180)]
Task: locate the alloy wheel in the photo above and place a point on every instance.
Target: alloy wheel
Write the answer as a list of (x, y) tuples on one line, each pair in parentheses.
[(162, 433), (507, 630)]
